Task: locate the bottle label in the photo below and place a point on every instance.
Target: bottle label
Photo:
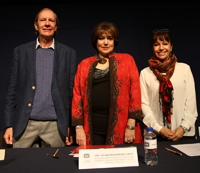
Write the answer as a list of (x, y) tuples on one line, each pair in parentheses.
[(150, 144)]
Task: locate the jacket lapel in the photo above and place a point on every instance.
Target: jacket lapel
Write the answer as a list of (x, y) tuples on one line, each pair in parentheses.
[(58, 54), (32, 58)]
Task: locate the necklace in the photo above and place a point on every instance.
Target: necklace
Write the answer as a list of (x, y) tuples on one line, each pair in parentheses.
[(102, 61)]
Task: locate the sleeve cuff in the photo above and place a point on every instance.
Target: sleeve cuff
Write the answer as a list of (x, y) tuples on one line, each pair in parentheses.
[(157, 127), (186, 125), (135, 115), (76, 121)]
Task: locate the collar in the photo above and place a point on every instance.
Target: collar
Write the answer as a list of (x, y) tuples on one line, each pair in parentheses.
[(39, 45), (109, 55)]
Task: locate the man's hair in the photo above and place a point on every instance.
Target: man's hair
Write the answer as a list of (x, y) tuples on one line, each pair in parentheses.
[(36, 20)]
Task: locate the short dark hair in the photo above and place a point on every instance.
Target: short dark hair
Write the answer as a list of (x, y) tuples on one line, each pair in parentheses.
[(162, 34), (36, 20), (104, 27)]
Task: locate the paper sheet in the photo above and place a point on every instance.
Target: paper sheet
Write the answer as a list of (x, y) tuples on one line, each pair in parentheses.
[(2, 154), (189, 149), (74, 154), (199, 133)]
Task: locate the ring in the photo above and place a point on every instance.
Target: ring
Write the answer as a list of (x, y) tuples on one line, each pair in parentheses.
[(130, 140)]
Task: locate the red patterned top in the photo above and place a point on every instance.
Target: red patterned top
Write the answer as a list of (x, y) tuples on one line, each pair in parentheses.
[(125, 97)]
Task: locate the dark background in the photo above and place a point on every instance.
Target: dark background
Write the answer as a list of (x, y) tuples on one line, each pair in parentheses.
[(135, 22)]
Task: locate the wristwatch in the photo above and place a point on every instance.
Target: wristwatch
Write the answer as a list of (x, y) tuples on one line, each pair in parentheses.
[(130, 127), (79, 126), (184, 128)]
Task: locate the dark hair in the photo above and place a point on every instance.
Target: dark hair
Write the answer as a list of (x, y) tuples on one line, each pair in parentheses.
[(36, 20), (104, 27), (162, 35)]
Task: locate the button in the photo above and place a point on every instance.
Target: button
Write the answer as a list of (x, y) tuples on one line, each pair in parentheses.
[(33, 87), (29, 105)]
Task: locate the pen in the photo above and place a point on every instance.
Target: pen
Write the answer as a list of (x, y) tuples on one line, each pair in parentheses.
[(176, 152), (54, 156), (56, 152)]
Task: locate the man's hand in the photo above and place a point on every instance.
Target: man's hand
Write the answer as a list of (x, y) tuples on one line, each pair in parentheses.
[(8, 136), (67, 141)]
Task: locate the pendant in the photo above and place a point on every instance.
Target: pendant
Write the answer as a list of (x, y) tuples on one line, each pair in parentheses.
[(103, 61)]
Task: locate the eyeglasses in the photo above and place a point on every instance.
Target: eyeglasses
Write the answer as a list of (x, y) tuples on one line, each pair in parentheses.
[(156, 30)]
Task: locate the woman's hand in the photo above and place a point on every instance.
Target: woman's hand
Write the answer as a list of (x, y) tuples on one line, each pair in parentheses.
[(179, 132), (80, 136), (166, 133), (129, 135)]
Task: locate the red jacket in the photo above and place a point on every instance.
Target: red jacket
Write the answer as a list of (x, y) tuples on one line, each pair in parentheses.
[(125, 97)]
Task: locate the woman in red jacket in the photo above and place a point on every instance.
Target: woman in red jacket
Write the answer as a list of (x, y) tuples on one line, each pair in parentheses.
[(106, 94)]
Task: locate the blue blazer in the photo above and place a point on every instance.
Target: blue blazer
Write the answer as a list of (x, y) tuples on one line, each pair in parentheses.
[(22, 83)]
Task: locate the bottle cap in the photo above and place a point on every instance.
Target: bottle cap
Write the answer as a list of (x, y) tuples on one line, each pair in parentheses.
[(149, 129)]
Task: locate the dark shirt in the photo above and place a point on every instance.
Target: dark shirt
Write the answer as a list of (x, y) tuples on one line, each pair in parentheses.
[(100, 100)]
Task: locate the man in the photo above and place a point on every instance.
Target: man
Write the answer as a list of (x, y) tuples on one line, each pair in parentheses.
[(38, 101)]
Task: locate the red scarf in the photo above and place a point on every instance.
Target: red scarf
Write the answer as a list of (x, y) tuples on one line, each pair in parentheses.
[(166, 88)]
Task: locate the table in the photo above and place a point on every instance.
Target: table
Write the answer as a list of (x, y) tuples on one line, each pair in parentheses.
[(34, 160)]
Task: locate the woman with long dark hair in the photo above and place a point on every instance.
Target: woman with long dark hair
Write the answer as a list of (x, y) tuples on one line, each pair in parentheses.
[(168, 92)]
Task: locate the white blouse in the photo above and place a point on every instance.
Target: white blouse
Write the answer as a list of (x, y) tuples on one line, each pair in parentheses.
[(184, 111)]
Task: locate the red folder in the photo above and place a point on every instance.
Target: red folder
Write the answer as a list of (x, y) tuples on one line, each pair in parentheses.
[(76, 150)]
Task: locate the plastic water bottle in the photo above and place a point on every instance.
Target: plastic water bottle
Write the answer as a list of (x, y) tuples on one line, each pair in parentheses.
[(150, 148)]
